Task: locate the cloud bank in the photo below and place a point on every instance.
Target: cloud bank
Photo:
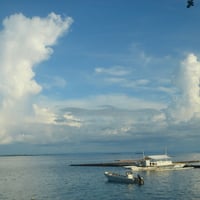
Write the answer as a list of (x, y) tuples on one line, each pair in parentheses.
[(24, 43)]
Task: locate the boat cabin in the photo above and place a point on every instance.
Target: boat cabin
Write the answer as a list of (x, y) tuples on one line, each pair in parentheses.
[(156, 160)]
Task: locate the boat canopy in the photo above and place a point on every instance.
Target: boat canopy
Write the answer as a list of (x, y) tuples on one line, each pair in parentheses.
[(159, 157)]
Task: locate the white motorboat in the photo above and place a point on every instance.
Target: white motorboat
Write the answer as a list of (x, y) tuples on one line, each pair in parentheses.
[(127, 178), (156, 163)]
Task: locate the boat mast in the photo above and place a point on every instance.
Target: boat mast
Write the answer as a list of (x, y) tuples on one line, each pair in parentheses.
[(143, 154), (165, 150)]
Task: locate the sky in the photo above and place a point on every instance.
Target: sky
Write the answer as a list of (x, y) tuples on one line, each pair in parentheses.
[(99, 76)]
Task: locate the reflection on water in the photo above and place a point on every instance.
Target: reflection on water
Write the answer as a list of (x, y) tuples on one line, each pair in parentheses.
[(51, 177)]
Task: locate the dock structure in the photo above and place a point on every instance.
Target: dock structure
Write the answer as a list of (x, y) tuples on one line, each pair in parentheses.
[(119, 163), (122, 163)]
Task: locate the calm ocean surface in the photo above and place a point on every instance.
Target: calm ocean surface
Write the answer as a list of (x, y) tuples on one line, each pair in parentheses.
[(51, 177)]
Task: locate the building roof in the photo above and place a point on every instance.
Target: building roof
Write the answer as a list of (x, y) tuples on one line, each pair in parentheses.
[(158, 157)]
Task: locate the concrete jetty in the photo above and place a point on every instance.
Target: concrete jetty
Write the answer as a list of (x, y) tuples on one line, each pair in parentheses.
[(122, 163), (118, 163)]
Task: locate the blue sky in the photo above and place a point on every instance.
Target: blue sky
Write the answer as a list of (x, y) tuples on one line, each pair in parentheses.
[(99, 76)]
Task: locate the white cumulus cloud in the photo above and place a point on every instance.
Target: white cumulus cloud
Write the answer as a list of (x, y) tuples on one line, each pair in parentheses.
[(187, 104), (24, 42)]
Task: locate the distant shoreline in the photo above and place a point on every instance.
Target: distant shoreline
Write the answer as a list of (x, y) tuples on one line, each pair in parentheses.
[(172, 154)]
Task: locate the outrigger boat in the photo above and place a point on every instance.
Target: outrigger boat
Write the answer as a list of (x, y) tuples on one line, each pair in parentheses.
[(156, 163), (127, 178)]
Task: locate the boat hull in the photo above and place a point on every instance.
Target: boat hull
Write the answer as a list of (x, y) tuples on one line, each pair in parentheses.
[(157, 168), (113, 177)]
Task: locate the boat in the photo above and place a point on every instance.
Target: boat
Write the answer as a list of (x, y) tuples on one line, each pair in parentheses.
[(156, 163), (127, 178)]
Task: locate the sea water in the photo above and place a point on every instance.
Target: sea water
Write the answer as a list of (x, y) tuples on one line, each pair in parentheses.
[(52, 178)]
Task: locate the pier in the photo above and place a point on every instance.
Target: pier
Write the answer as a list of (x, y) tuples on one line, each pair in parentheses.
[(122, 163)]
